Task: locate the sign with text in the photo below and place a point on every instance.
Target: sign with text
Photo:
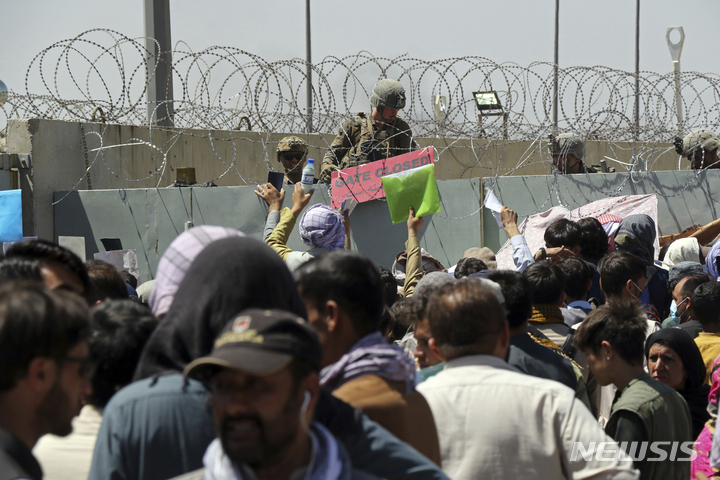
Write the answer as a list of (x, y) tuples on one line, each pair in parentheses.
[(364, 183)]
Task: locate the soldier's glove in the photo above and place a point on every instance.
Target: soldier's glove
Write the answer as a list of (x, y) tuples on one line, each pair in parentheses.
[(678, 145), (326, 172)]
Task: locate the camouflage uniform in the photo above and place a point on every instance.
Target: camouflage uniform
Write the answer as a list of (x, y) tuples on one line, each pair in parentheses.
[(360, 141), (571, 144)]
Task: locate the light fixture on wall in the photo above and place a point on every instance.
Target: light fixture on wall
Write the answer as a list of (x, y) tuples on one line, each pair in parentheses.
[(488, 103)]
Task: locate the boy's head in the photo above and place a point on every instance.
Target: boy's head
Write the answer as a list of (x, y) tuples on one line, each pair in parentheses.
[(563, 233), (613, 338)]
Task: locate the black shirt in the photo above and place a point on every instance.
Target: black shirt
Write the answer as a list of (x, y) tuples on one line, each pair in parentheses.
[(693, 327), (16, 460), (531, 358)]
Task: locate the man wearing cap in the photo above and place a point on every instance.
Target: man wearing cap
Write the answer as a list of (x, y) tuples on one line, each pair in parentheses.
[(700, 147), (292, 153), (362, 140), (568, 151), (263, 379)]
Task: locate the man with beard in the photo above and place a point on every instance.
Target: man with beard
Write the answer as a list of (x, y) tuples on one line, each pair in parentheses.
[(364, 139), (263, 378), (43, 371)]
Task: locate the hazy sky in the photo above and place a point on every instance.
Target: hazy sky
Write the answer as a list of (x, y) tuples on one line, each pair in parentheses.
[(521, 31)]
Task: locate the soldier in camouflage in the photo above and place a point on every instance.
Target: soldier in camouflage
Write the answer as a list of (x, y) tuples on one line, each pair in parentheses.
[(568, 151), (701, 148), (362, 140), (292, 153)]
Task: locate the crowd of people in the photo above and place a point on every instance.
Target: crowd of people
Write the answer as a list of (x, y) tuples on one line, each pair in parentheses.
[(594, 357), (244, 359)]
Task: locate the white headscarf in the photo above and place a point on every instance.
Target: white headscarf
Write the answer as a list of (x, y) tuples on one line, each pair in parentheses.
[(682, 250)]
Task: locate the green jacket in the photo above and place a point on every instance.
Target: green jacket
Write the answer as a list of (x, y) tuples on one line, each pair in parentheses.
[(650, 411), (359, 141)]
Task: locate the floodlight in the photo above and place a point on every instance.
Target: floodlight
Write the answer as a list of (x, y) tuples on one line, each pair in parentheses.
[(487, 100)]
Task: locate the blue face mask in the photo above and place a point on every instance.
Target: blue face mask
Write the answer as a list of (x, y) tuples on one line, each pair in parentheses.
[(673, 312)]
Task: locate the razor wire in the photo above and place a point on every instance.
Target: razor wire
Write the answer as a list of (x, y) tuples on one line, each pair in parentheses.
[(103, 75)]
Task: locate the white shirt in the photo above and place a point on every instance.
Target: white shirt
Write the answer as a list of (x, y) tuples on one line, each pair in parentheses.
[(495, 422), (69, 458)]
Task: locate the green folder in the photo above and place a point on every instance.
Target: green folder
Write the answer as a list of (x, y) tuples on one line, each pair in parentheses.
[(415, 188)]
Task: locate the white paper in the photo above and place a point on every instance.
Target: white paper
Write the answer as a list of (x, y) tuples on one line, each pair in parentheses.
[(348, 205), (494, 205), (74, 244)]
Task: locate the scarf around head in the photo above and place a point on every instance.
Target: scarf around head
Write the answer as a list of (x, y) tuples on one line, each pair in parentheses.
[(227, 277), (322, 227), (636, 235), (711, 260), (682, 250), (330, 460), (696, 390), (371, 355), (177, 259)]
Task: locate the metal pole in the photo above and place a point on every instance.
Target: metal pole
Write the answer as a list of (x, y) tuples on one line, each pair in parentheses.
[(675, 52), (636, 117), (160, 87), (308, 66), (555, 83)]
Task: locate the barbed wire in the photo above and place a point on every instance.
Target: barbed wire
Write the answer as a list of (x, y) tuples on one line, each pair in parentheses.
[(103, 75), (106, 69)]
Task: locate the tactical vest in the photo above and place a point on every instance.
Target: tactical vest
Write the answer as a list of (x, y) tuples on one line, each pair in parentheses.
[(368, 147)]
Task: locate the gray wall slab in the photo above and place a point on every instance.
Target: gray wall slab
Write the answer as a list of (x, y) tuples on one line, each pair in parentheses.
[(149, 219), (684, 197)]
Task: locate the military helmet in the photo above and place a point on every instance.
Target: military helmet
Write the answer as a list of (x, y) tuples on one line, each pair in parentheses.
[(388, 93), (568, 144), (704, 139), (292, 144)]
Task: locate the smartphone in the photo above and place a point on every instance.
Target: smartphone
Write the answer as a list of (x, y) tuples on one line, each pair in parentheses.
[(277, 179)]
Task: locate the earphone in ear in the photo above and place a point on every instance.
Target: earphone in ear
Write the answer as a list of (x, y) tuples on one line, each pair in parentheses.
[(303, 411), (306, 401)]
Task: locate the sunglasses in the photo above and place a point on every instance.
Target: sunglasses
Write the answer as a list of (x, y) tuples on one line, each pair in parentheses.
[(290, 156)]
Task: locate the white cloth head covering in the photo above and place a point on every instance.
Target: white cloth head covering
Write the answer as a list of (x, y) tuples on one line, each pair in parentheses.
[(682, 250)]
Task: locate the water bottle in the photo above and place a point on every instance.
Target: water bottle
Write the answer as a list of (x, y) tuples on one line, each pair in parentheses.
[(308, 176)]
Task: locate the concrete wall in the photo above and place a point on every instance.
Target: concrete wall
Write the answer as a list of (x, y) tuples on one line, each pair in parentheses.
[(149, 219), (230, 158)]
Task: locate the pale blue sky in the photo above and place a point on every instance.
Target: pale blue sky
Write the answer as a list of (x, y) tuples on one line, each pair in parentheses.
[(592, 32)]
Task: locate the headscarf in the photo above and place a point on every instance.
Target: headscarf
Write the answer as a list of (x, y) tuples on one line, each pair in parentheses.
[(322, 227), (682, 250), (144, 291), (636, 234), (610, 224), (711, 260), (177, 259), (227, 277), (696, 390), (429, 264), (371, 355)]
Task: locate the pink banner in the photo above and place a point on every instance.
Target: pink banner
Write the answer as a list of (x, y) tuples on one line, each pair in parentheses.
[(364, 183)]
